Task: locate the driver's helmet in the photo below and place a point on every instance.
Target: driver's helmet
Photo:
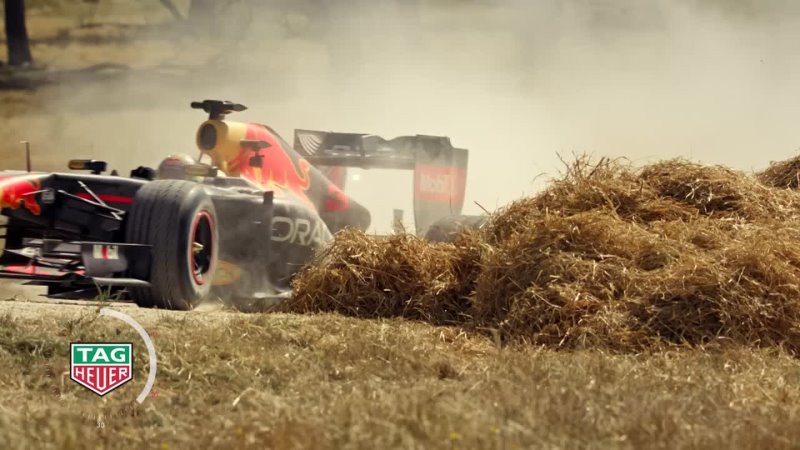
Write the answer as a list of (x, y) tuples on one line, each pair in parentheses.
[(173, 167)]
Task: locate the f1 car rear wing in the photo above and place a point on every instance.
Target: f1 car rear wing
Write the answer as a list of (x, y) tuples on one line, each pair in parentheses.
[(440, 170)]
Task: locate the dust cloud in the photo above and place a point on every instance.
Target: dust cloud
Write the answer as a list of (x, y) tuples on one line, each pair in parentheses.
[(516, 82)]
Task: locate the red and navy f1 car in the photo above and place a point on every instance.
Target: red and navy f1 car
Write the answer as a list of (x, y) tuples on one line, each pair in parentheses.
[(236, 223)]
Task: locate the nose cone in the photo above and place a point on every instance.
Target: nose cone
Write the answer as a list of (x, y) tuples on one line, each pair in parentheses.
[(21, 192)]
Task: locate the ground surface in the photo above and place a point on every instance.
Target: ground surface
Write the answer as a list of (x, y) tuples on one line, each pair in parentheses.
[(228, 380)]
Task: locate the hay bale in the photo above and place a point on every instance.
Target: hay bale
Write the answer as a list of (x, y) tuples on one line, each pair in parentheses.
[(703, 233), (608, 185), (607, 256), (546, 284), (747, 292), (594, 279), (611, 186), (402, 276), (782, 174), (564, 317), (511, 220), (714, 190)]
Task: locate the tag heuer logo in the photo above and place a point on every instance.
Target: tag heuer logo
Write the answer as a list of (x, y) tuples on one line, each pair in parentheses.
[(101, 367)]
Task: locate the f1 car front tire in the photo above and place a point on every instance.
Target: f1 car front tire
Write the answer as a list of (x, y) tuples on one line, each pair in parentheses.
[(176, 218)]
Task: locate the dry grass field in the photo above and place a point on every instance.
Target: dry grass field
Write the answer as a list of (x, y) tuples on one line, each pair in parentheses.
[(228, 380)]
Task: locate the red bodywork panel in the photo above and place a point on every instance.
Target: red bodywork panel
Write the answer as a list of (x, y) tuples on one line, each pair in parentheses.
[(119, 199), (279, 171), (284, 170), (32, 269), (18, 192)]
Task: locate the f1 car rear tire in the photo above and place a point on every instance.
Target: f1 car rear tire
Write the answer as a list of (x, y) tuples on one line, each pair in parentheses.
[(447, 228), (176, 218)]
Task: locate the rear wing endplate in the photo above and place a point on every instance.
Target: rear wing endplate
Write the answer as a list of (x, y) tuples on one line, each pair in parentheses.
[(440, 170)]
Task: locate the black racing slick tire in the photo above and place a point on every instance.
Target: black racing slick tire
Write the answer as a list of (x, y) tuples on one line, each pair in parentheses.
[(177, 219), (446, 229)]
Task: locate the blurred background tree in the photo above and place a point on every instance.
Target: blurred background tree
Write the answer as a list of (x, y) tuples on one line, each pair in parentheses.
[(19, 49)]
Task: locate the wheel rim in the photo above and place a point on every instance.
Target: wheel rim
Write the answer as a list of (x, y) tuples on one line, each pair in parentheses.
[(201, 247)]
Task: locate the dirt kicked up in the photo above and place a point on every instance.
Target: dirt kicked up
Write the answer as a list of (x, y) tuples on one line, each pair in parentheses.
[(609, 256)]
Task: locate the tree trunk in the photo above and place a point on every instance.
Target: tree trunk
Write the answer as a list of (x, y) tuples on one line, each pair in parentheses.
[(19, 49)]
